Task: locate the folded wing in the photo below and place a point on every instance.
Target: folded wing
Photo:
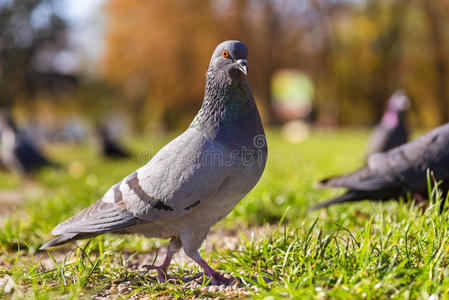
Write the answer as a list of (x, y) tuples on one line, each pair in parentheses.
[(177, 179)]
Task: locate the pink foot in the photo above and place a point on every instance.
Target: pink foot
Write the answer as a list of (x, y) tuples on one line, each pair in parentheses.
[(420, 201), (161, 272), (216, 278), (419, 198)]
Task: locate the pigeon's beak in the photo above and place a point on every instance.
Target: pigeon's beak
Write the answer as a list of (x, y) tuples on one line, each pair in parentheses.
[(243, 66)]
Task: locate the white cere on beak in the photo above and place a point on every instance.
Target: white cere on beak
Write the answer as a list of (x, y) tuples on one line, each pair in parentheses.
[(243, 66)]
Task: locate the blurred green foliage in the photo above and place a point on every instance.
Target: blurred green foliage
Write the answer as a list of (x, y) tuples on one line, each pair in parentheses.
[(156, 54)]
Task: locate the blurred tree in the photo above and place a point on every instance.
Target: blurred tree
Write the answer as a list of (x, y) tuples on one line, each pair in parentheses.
[(385, 76), (322, 44), (437, 14), (357, 52), (158, 52), (153, 55), (270, 40), (31, 33)]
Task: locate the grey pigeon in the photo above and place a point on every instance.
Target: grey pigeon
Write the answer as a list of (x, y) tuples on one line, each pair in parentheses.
[(196, 179), (18, 153), (392, 174), (110, 147), (392, 130)]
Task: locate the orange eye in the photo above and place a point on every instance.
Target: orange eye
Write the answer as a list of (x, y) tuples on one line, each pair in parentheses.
[(225, 54)]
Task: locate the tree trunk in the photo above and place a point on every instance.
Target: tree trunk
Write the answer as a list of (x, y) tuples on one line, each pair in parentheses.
[(386, 75), (270, 40), (433, 10)]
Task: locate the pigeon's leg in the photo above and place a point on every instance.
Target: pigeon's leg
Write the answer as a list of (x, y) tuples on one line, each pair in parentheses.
[(191, 244), (216, 278), (420, 200), (173, 247)]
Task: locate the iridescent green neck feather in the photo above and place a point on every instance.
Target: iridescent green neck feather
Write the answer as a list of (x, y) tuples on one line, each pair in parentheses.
[(229, 113)]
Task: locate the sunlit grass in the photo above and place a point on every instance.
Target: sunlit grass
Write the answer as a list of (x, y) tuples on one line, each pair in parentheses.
[(362, 250)]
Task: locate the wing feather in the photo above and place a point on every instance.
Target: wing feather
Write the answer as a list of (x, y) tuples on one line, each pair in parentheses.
[(177, 180)]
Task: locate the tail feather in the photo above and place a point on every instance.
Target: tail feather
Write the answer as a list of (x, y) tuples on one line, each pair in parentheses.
[(325, 183), (338, 181), (62, 239), (351, 196), (363, 179), (100, 217)]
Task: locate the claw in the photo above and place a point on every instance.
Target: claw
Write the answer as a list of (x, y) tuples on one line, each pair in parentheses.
[(216, 278), (161, 272)]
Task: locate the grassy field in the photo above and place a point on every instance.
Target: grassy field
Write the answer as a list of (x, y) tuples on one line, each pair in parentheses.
[(365, 250)]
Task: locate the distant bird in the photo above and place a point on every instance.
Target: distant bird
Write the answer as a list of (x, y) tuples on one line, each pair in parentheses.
[(391, 174), (110, 147), (392, 130), (18, 153), (196, 179)]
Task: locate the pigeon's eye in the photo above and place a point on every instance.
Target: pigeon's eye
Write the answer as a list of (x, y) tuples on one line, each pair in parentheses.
[(225, 54)]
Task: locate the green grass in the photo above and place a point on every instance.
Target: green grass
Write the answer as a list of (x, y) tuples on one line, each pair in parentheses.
[(363, 250)]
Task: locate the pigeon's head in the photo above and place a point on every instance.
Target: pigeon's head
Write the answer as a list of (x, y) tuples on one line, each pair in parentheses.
[(230, 56), (398, 102)]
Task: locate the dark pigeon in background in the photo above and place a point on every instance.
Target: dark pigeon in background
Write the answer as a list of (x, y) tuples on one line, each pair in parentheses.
[(196, 179), (392, 130), (110, 147), (18, 153), (392, 174)]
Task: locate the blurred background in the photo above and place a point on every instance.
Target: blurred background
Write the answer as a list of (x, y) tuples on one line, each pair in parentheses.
[(67, 65), (126, 76)]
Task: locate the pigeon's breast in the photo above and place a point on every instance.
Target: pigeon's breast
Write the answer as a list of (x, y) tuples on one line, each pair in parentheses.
[(247, 166)]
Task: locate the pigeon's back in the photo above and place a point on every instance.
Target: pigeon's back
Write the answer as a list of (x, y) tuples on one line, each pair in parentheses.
[(392, 131), (386, 138), (410, 162), (401, 169), (392, 174)]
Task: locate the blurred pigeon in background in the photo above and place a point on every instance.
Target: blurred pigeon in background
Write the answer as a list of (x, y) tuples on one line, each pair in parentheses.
[(392, 130), (391, 174), (18, 153), (110, 147), (196, 179)]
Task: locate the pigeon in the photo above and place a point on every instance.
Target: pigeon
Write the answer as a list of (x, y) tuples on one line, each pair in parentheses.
[(18, 153), (195, 180), (401, 170), (109, 146), (391, 131)]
